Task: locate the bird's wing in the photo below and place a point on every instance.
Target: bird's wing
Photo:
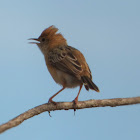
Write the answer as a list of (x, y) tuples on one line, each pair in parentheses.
[(64, 59)]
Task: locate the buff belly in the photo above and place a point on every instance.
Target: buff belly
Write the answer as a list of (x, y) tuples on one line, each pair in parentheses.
[(64, 79)]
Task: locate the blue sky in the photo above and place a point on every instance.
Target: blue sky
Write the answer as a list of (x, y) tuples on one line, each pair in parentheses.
[(106, 32)]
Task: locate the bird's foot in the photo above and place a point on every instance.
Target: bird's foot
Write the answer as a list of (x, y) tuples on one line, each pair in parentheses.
[(51, 101), (75, 101)]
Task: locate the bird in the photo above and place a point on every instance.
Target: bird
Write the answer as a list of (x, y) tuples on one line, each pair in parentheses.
[(66, 64)]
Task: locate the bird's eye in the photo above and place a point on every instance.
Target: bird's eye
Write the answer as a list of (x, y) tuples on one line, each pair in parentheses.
[(43, 39)]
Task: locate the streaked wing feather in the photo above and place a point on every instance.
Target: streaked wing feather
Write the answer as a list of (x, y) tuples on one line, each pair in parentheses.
[(63, 59)]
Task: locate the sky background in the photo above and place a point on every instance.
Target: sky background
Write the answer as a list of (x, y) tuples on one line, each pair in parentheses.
[(106, 32)]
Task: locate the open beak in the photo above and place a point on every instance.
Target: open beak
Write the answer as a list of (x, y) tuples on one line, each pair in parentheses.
[(35, 40)]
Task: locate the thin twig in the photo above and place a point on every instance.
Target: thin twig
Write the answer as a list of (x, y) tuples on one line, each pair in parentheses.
[(66, 106)]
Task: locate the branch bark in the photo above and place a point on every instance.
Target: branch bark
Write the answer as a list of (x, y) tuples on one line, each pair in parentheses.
[(66, 106)]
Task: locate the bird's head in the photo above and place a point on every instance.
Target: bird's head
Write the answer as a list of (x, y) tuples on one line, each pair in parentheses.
[(49, 39)]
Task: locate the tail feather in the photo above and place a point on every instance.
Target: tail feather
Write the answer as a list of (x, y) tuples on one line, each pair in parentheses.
[(89, 84)]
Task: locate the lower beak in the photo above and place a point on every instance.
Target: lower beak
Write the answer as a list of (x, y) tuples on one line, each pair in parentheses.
[(35, 40)]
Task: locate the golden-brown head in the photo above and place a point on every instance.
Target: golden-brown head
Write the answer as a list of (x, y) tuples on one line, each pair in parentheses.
[(49, 39)]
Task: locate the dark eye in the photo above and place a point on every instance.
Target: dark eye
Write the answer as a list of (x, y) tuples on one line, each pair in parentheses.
[(43, 39)]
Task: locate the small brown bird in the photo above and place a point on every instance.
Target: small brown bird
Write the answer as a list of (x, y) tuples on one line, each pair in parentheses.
[(66, 64)]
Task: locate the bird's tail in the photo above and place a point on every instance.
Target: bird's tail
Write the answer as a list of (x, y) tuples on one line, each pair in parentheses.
[(89, 84)]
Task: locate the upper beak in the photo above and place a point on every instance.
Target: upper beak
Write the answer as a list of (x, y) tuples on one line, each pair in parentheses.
[(35, 40)]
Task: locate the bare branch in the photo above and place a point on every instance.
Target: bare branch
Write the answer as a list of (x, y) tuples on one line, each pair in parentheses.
[(66, 106)]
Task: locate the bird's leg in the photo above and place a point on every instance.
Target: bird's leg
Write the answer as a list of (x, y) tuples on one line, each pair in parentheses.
[(76, 99), (50, 100)]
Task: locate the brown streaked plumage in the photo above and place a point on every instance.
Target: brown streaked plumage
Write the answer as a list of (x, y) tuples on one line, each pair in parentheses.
[(66, 64)]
